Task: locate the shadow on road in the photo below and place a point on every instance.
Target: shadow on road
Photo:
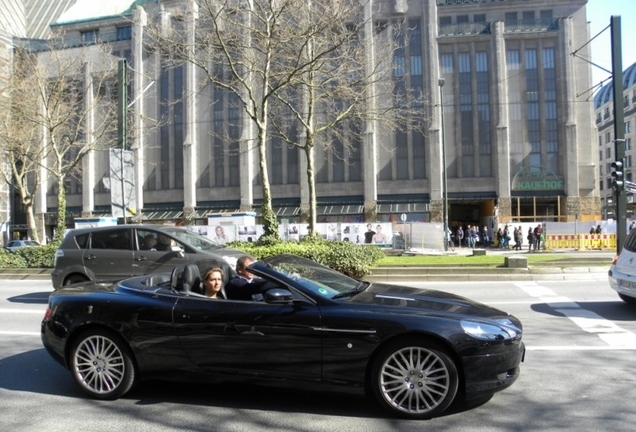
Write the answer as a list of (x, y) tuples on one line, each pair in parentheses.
[(34, 371), (32, 298)]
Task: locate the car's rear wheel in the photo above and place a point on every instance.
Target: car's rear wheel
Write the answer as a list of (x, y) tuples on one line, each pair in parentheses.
[(76, 278), (415, 379), (627, 299), (102, 364)]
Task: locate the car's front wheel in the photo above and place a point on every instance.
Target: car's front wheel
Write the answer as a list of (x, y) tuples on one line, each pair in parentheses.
[(102, 364), (415, 379)]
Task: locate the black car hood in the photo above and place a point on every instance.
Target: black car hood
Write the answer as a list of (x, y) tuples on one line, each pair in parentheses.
[(425, 300)]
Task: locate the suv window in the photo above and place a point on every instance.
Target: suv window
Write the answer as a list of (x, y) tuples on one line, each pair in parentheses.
[(111, 239), (630, 242), (82, 241)]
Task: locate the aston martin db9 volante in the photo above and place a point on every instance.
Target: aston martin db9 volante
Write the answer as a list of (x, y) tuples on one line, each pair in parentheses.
[(413, 350)]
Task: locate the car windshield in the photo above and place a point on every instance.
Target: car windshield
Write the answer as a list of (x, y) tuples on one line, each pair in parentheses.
[(313, 276), (193, 239)]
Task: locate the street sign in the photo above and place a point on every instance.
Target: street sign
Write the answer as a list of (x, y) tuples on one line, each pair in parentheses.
[(630, 186)]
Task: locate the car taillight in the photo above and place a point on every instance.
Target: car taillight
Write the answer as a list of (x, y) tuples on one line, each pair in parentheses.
[(48, 314), (615, 259)]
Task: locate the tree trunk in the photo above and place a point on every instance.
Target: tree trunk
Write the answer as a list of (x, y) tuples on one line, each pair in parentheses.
[(31, 228), (311, 184), (270, 221), (60, 228)]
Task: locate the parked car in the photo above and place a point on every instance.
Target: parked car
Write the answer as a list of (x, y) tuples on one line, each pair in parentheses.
[(414, 350), (622, 272), (15, 244), (122, 251)]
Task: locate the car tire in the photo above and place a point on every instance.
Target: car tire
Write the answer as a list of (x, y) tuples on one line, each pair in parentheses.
[(102, 364), (76, 278), (627, 299), (415, 379)]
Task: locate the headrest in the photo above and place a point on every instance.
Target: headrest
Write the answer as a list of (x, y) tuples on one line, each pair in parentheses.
[(191, 278)]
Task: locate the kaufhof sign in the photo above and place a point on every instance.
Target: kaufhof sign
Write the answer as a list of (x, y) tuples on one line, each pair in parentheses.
[(536, 178)]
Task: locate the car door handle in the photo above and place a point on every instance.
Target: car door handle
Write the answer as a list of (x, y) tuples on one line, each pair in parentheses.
[(90, 257), (141, 258)]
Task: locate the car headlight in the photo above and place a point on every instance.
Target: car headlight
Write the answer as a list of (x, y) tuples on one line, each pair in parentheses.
[(483, 331)]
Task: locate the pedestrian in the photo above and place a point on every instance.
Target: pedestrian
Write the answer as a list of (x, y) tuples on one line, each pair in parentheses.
[(469, 237), (538, 233), (499, 238), (632, 225), (517, 237), (530, 238), (506, 237), (598, 229), (474, 236), (485, 238), (460, 235)]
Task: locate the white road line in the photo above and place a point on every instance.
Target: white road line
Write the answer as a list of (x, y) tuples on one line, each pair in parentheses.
[(581, 348), (610, 333), (24, 311), (17, 333)]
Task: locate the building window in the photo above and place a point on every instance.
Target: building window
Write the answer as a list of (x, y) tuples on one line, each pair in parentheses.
[(479, 18), (89, 37), (124, 33), (608, 153), (445, 20), (512, 60), (446, 61), (628, 126), (546, 14), (462, 19), (527, 15), (511, 18)]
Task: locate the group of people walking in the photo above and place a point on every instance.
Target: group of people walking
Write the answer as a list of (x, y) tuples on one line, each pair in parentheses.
[(473, 236)]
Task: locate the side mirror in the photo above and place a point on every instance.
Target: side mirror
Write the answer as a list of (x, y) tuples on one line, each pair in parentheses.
[(278, 296)]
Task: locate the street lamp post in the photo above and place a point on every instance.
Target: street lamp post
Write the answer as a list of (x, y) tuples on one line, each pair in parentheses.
[(440, 82)]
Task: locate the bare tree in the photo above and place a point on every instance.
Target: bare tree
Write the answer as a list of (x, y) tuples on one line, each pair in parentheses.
[(19, 142), (342, 90), (61, 100), (236, 47), (297, 67)]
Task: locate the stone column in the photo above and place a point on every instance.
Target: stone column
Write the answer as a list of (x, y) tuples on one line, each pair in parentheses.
[(190, 144), (88, 162), (370, 150), (138, 142), (567, 82), (432, 87), (501, 146)]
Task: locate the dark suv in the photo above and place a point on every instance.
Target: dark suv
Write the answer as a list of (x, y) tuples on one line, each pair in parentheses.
[(118, 252)]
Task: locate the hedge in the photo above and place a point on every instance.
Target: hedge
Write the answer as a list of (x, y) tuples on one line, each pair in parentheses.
[(348, 258)]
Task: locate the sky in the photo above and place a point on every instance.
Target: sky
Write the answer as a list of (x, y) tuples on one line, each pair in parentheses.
[(599, 13)]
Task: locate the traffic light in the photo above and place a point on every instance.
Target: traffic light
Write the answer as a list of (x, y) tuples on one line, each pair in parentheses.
[(618, 174)]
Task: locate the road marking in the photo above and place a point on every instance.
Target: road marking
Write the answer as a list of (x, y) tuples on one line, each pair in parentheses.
[(580, 348), (17, 333), (24, 311), (591, 322)]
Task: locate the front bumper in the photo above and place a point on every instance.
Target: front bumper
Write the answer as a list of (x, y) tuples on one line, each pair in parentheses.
[(490, 373)]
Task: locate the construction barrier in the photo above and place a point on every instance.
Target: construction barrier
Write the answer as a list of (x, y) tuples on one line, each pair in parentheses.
[(581, 241)]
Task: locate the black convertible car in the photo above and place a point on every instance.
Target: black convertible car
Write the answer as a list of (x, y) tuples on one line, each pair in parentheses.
[(414, 350)]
